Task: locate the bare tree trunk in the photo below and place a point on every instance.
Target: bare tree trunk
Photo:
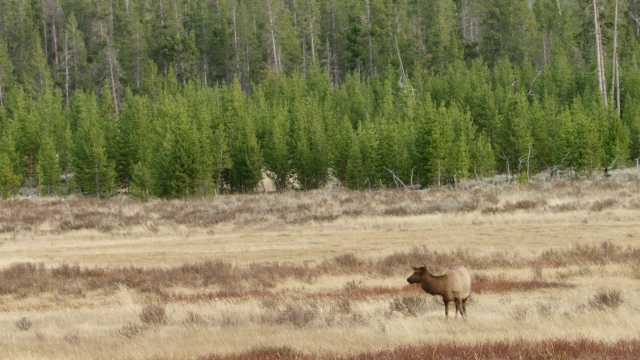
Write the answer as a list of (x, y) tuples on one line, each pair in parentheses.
[(329, 60), (334, 56), (138, 56), (544, 50), (54, 43), (66, 68), (111, 60), (464, 12), (614, 67), (304, 57), (529, 163), (602, 82), (400, 82), (618, 86), (368, 10), (312, 33), (235, 37), (96, 179), (181, 53), (559, 9), (44, 29), (274, 46)]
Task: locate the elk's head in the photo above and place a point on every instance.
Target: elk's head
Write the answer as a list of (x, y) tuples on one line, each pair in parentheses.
[(416, 277)]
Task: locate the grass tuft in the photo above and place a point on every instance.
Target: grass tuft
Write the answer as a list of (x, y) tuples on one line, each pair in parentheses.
[(298, 314), (153, 314), (409, 305), (606, 300), (24, 323)]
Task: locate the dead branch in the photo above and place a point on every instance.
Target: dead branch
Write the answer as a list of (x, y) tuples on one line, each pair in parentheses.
[(529, 93), (395, 178)]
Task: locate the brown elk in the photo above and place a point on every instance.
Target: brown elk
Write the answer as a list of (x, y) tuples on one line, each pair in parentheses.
[(454, 285)]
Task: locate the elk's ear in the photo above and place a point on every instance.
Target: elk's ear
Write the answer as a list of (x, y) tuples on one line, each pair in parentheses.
[(415, 268)]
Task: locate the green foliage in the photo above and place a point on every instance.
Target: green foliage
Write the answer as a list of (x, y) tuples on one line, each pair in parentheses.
[(223, 93), (93, 172), (355, 176), (48, 169), (10, 178)]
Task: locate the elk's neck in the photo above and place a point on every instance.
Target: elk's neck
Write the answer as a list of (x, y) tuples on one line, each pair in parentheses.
[(432, 284)]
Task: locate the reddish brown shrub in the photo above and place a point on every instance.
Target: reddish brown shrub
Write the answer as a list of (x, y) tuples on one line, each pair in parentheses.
[(580, 349)]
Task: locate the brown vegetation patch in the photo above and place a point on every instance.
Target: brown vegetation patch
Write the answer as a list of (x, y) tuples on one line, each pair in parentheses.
[(500, 286), (122, 213), (360, 293), (584, 349), (30, 278)]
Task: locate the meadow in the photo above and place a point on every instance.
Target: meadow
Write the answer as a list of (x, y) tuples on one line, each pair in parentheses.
[(322, 274)]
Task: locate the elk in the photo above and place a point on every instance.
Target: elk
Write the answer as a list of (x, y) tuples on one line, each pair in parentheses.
[(454, 285)]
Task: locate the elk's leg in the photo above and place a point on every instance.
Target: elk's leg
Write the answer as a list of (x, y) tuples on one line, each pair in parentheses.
[(464, 306), (446, 309), (458, 310)]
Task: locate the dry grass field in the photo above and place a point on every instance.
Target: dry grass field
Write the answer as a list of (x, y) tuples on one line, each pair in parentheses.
[(555, 265)]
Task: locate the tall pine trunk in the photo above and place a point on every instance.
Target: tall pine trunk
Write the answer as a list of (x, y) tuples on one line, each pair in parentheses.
[(602, 82)]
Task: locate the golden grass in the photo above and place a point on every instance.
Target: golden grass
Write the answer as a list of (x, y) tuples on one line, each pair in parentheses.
[(318, 274)]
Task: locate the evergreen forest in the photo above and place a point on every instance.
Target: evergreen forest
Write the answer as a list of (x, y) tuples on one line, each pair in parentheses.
[(186, 98)]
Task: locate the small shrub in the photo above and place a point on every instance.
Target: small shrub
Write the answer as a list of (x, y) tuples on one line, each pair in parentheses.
[(297, 314), (490, 210), (606, 299), (537, 272), (153, 314), (519, 312), (566, 206), (347, 262), (409, 305), (72, 337), (24, 323), (229, 318), (130, 330), (74, 290), (193, 318), (353, 285), (41, 336), (602, 204), (343, 306), (396, 211), (524, 205), (546, 308)]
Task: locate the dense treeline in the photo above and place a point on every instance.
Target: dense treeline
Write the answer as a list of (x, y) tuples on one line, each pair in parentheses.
[(180, 98)]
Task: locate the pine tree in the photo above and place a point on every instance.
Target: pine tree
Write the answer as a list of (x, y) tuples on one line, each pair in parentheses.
[(7, 80), (133, 138), (514, 142), (94, 172), (581, 139), (27, 135), (509, 30), (10, 177), (355, 177), (464, 136), (48, 169), (277, 155), (482, 156), (442, 41), (221, 156), (246, 157), (435, 145)]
